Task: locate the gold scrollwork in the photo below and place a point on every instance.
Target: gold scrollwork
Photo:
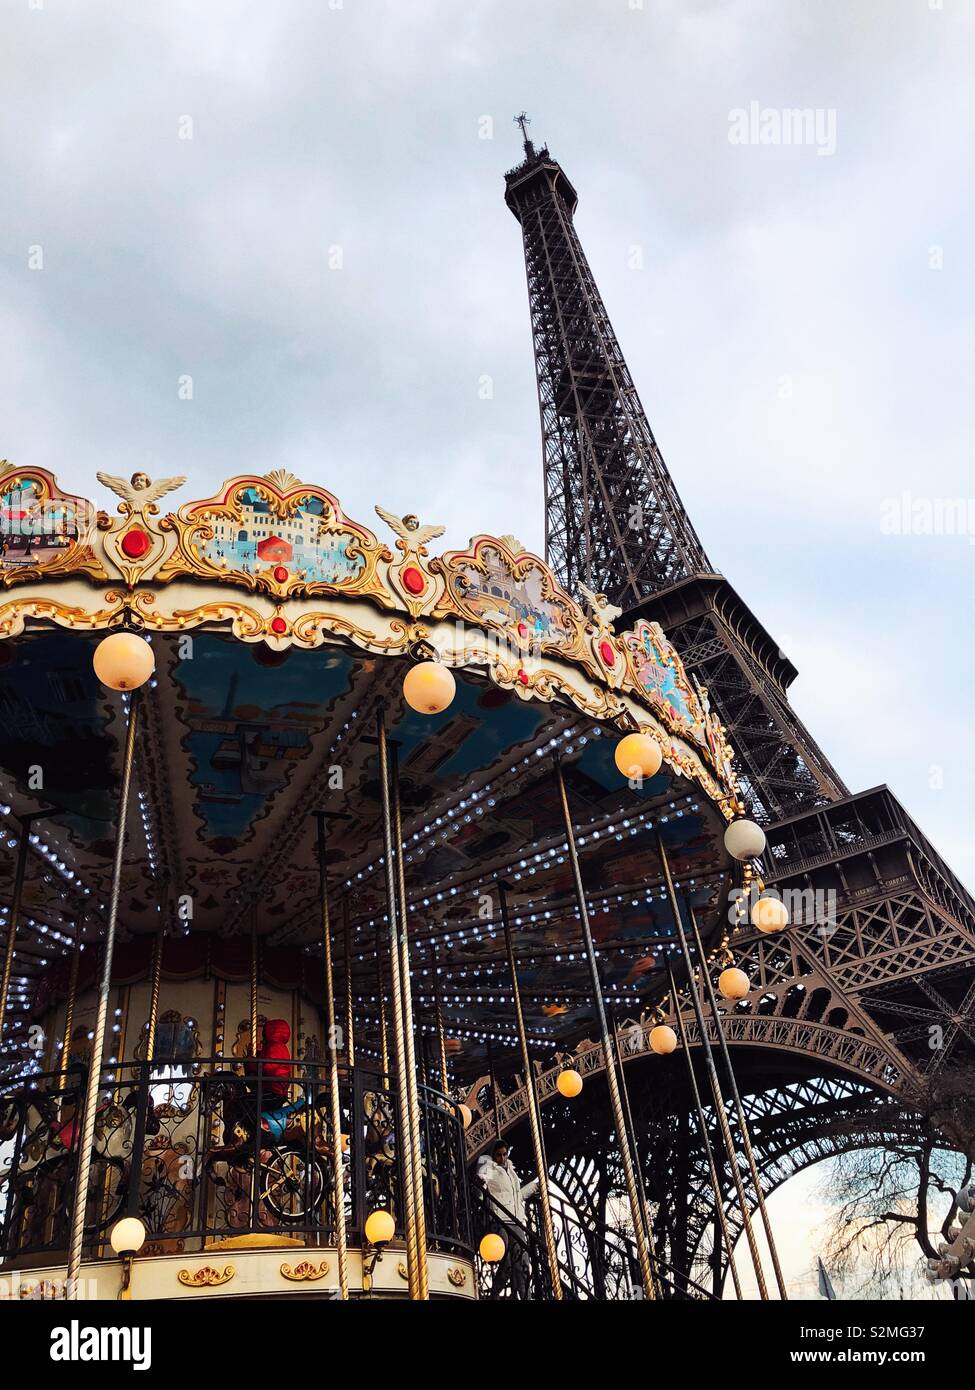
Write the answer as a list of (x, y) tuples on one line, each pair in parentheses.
[(402, 1271), (305, 1270), (456, 1276), (206, 1277)]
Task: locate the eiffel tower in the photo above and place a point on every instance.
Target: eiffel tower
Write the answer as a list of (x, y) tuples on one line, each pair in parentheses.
[(856, 1013)]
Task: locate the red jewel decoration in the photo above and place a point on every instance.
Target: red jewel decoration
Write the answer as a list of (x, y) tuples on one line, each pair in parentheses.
[(607, 653), (280, 573), (523, 677), (522, 630), (135, 543), (413, 581), (278, 625)]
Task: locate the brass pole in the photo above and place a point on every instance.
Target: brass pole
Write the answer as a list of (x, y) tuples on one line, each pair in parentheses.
[(494, 1091), (705, 1138), (716, 1095), (438, 1022), (381, 996), (87, 1136), (69, 1002), (155, 980), (13, 916), (404, 1131), (534, 1112), (739, 1108), (409, 1036), (335, 1103), (349, 1020), (631, 1127), (641, 1235), (253, 993)]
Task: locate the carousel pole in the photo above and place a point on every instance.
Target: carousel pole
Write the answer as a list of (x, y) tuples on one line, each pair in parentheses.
[(87, 1135), (381, 999), (702, 1127), (438, 1023), (13, 916), (156, 979), (253, 985), (640, 1233), (70, 1000), (404, 1134), (712, 1072), (335, 1103), (347, 962), (739, 1108), (631, 1126), (494, 1091), (409, 1034), (145, 1070), (534, 1112)]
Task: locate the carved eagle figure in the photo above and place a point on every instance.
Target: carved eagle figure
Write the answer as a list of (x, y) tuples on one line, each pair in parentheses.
[(599, 605), (140, 490), (408, 528)]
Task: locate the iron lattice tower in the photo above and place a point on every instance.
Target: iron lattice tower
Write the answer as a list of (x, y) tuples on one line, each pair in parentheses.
[(841, 1021), (613, 517)]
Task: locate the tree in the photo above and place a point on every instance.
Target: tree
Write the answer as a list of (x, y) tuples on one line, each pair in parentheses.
[(899, 1197)]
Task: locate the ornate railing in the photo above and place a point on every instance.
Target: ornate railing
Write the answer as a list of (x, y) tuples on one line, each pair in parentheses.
[(206, 1150), (595, 1264)]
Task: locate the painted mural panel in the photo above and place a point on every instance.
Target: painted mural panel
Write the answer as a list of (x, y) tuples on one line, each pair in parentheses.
[(255, 536)]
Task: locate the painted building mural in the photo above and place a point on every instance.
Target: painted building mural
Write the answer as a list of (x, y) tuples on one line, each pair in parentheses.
[(260, 537)]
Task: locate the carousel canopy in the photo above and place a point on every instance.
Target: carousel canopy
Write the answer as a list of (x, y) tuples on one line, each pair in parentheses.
[(280, 629)]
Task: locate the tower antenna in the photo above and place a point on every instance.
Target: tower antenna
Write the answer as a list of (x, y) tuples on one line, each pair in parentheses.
[(522, 122)]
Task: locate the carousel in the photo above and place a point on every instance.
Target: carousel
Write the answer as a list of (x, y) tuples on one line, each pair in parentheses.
[(317, 847)]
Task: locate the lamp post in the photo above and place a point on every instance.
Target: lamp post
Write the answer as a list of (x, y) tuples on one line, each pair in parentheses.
[(404, 1128), (120, 664)]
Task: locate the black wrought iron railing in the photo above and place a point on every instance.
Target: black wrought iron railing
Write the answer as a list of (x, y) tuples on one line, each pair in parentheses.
[(213, 1148), (594, 1264)]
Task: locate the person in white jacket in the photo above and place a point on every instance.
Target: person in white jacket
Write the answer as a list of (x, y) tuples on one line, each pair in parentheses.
[(507, 1194)]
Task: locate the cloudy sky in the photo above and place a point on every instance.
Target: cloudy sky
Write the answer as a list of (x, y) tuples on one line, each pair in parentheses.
[(329, 259), (298, 206)]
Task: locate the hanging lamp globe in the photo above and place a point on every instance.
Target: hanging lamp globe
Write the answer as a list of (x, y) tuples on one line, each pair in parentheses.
[(638, 756), (491, 1248), (770, 914), (569, 1083), (663, 1039), (429, 687), (733, 983), (464, 1114), (744, 840), (123, 661), (380, 1227)]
